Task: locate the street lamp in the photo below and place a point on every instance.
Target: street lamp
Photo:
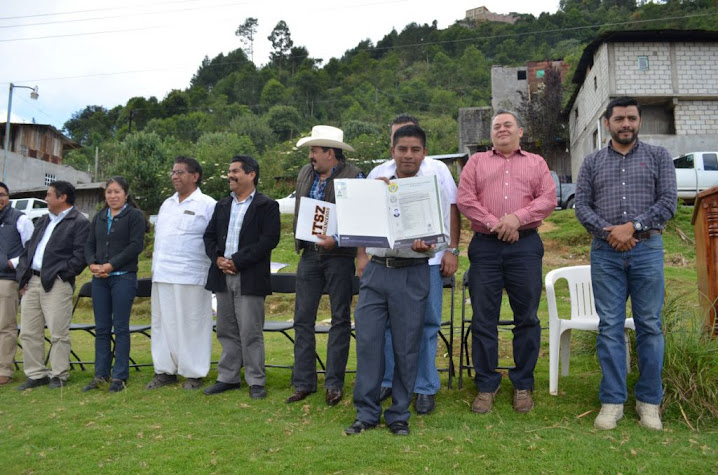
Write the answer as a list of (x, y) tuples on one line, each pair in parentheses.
[(33, 95)]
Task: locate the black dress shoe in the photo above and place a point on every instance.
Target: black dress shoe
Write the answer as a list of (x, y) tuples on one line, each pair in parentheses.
[(220, 387), (399, 428), (257, 392), (358, 427), (297, 396), (334, 396), (385, 393), (424, 403), (117, 385), (94, 384), (33, 383), (56, 383)]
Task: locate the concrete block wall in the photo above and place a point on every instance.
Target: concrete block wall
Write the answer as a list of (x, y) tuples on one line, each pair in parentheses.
[(631, 81), (697, 68), (696, 118)]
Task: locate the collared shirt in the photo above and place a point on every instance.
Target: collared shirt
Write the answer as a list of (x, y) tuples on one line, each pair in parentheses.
[(236, 218), (318, 185), (24, 228), (40, 251), (447, 190), (614, 189), (493, 185), (179, 255)]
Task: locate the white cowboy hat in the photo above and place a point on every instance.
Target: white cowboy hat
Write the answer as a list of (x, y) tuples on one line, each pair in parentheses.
[(325, 136)]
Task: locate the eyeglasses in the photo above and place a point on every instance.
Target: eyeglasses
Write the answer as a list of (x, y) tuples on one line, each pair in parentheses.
[(177, 172), (4, 195)]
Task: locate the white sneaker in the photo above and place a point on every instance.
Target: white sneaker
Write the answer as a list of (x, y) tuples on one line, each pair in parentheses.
[(650, 415), (608, 417)]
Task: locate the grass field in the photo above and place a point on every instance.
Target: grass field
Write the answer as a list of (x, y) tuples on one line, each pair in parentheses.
[(172, 430)]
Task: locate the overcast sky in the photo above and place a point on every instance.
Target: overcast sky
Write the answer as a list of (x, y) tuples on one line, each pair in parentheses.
[(83, 52)]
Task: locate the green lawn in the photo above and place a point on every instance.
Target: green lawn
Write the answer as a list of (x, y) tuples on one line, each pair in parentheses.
[(172, 430)]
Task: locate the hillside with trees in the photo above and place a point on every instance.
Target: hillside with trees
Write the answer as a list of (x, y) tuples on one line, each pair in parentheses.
[(232, 106)]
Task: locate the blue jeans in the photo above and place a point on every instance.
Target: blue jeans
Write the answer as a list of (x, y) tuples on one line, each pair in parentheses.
[(637, 273), (112, 302), (427, 376)]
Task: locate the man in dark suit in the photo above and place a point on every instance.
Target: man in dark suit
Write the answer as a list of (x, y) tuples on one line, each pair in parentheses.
[(53, 256), (239, 239)]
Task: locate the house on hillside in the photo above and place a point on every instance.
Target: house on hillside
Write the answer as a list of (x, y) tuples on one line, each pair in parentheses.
[(482, 14), (672, 73), (34, 156)]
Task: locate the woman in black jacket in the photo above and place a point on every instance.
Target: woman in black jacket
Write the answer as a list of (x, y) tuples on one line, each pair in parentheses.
[(112, 250)]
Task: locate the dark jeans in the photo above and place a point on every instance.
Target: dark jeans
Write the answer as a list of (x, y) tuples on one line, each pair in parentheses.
[(314, 274), (112, 302), (496, 265)]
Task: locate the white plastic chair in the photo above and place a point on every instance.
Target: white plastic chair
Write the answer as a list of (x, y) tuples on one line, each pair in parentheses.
[(583, 317)]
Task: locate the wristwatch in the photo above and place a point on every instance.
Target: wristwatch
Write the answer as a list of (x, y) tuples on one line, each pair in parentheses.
[(638, 226), (453, 250)]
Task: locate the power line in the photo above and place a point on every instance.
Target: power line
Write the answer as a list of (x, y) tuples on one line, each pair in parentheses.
[(128, 15), (461, 40), (93, 10), (106, 32)]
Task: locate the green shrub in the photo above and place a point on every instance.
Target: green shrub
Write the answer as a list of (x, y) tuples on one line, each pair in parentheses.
[(690, 371)]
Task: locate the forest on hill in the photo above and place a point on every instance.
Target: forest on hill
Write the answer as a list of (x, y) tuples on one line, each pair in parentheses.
[(232, 106)]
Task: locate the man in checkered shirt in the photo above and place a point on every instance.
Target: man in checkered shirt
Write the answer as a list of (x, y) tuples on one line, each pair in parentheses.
[(625, 193)]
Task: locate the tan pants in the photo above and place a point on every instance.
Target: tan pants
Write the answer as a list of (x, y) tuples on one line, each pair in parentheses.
[(54, 309), (8, 326)]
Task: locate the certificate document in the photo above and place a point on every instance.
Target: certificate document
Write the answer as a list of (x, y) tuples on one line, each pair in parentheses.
[(373, 214), (315, 217)]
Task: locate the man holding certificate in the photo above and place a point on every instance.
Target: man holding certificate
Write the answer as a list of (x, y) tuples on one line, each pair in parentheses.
[(323, 265), (505, 193), (394, 290), (443, 264)]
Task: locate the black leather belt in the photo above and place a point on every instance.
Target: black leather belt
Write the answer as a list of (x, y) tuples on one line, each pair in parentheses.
[(36, 272), (522, 233), (643, 235), (398, 262), (310, 246)]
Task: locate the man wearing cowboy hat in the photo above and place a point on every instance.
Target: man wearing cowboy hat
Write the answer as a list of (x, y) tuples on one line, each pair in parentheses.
[(323, 265)]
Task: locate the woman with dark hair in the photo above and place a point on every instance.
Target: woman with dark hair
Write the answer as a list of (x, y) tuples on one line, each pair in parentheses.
[(113, 247)]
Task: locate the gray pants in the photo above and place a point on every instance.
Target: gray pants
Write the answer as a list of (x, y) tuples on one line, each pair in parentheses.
[(240, 321), (396, 296)]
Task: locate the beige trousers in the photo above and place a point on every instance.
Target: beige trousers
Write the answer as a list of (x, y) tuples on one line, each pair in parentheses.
[(8, 326), (54, 309)]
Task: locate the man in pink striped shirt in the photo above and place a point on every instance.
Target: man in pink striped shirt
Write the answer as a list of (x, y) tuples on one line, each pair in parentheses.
[(505, 193)]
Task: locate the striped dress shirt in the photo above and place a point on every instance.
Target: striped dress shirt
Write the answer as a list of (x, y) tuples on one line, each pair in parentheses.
[(493, 185)]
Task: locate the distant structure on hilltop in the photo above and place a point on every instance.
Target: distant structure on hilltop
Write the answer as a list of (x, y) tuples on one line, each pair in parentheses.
[(482, 14)]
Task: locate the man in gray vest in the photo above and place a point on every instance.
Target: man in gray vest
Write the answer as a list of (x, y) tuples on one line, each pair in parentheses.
[(322, 266), (15, 230)]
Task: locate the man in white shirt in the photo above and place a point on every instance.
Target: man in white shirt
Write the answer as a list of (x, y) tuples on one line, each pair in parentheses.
[(181, 307), (54, 256), (443, 264), (395, 286), (15, 230)]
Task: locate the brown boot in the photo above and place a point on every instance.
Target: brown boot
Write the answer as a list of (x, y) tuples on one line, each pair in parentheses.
[(484, 402), (523, 401)]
